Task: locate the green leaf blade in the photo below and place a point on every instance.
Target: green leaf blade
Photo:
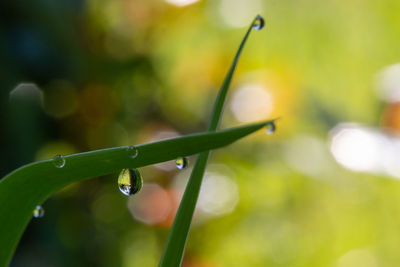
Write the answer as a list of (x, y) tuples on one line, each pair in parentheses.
[(223, 91), (30, 185), (176, 243), (177, 238)]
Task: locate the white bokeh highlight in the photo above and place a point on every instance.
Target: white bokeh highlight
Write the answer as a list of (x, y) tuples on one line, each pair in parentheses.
[(239, 13), (219, 193), (366, 149), (181, 3), (309, 155), (27, 91), (388, 83), (251, 102)]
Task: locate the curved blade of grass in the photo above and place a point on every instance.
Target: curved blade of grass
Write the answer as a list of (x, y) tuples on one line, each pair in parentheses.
[(30, 185), (175, 246)]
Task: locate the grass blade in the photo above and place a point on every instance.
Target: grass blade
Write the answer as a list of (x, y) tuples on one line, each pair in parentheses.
[(30, 185), (175, 246), (220, 101)]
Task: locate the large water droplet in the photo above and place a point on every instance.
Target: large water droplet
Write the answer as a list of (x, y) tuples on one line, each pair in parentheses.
[(59, 161), (130, 181), (182, 162), (38, 212), (270, 128), (132, 151), (258, 23)]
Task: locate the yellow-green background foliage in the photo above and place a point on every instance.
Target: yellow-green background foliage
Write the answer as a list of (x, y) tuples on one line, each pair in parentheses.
[(322, 191)]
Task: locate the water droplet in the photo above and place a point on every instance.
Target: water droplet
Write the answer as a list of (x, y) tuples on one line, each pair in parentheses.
[(38, 212), (59, 161), (182, 162), (132, 151), (258, 23), (130, 181), (271, 128)]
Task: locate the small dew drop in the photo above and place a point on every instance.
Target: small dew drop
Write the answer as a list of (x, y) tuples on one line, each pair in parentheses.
[(130, 181), (38, 212), (258, 23), (271, 128), (182, 163), (132, 151), (59, 161)]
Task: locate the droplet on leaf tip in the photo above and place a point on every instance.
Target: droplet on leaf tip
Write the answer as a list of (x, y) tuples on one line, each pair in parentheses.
[(270, 128), (258, 23)]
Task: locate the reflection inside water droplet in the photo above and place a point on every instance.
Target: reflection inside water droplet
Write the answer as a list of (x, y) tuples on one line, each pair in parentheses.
[(130, 181), (59, 161), (258, 23), (132, 151), (182, 162), (38, 212), (270, 128)]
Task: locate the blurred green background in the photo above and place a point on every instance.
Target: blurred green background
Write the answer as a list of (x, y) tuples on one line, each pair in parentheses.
[(79, 75)]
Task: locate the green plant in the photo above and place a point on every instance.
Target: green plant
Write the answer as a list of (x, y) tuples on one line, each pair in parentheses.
[(174, 249), (25, 188)]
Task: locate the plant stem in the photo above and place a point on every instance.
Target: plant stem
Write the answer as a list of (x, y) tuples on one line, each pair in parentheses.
[(176, 243)]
